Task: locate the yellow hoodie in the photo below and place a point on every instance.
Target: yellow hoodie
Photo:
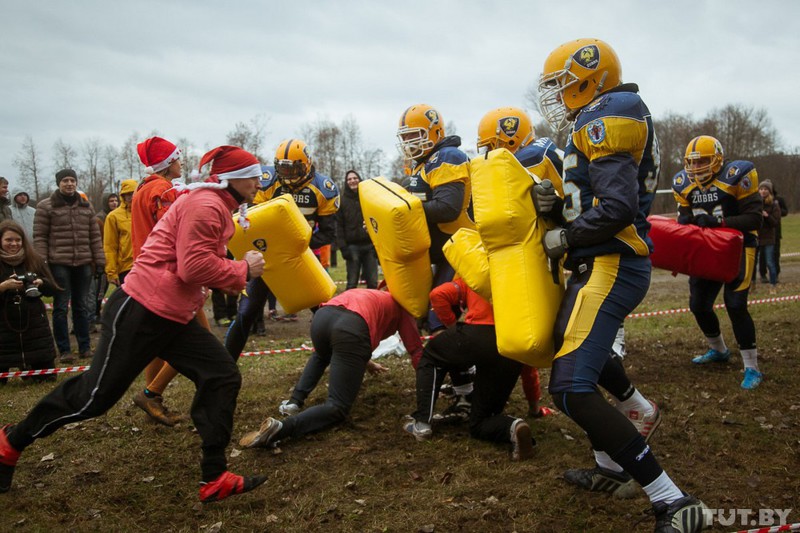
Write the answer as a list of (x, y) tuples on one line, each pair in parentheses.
[(117, 235)]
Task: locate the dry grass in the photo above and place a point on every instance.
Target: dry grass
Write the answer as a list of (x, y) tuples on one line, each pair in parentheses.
[(732, 448)]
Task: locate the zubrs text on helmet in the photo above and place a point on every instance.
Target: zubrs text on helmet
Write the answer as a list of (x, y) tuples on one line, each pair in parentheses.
[(420, 128), (505, 127), (574, 74)]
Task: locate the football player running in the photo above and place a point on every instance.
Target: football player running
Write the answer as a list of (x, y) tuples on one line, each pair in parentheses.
[(318, 199), (711, 194), (610, 175)]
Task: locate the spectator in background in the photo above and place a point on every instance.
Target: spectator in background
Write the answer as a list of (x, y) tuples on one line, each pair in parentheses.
[(352, 237), (5, 203), (25, 338), (117, 236), (99, 283), (771, 213), (779, 232), (21, 212), (67, 237)]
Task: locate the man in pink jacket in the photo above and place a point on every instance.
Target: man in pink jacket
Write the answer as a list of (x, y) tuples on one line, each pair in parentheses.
[(153, 315)]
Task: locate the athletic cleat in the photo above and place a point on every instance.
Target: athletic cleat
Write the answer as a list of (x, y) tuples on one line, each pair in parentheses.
[(752, 378), (288, 408), (8, 460), (458, 411), (228, 484), (712, 356), (264, 436), (522, 442), (599, 479), (685, 515), (420, 430), (155, 408), (645, 424)]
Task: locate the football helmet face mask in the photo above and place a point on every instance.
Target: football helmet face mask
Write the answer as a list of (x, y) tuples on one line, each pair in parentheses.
[(419, 130), (574, 74), (505, 127), (293, 163), (703, 159)]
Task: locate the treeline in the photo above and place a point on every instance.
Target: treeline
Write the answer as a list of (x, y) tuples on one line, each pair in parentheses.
[(102, 166), (745, 133)]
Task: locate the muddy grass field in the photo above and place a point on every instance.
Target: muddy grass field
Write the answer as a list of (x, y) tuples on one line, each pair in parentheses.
[(736, 450)]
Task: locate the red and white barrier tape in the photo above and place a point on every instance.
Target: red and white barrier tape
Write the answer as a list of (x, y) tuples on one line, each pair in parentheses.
[(773, 529), (305, 348)]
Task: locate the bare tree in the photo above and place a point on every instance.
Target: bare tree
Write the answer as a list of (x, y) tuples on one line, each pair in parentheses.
[(28, 164), (92, 182), (64, 155), (129, 158), (189, 157), (110, 157), (745, 132), (324, 140), (250, 135)]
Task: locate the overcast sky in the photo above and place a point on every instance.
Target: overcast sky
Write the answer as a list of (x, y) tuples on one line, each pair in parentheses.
[(105, 69)]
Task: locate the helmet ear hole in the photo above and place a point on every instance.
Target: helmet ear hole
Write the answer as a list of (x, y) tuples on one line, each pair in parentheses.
[(582, 87)]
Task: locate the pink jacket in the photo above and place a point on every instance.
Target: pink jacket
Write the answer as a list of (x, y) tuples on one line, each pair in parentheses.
[(185, 254)]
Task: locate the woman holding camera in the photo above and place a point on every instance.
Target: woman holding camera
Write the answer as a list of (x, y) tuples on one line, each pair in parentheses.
[(25, 338)]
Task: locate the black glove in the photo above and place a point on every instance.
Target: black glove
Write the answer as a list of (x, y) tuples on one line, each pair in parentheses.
[(684, 219), (706, 221), (555, 243), (544, 197)]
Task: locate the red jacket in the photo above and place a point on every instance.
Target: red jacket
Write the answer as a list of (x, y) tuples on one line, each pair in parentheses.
[(457, 293), (152, 199), (383, 316), (186, 253)]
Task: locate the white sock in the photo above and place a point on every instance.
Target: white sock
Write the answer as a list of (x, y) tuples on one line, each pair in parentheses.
[(636, 402), (463, 390), (717, 343), (663, 490), (750, 358), (605, 461)]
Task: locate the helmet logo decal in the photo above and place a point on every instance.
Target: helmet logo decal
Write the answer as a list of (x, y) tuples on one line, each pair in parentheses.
[(374, 224), (596, 131), (588, 57), (432, 116), (509, 125), (732, 171), (260, 244)]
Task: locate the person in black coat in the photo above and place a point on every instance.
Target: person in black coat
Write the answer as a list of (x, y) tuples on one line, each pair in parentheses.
[(26, 341), (352, 237)]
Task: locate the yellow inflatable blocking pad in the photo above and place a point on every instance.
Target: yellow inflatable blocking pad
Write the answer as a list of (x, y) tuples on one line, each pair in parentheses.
[(281, 233), (466, 253), (396, 225)]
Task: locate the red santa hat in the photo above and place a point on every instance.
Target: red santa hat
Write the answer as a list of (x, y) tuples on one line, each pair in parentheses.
[(156, 154), (227, 163)]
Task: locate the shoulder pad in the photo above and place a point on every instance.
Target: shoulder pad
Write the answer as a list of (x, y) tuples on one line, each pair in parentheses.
[(622, 104), (735, 171), (448, 154), (325, 185), (268, 176), (680, 181)]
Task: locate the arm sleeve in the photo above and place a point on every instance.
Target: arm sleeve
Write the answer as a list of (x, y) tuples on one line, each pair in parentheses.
[(749, 217), (111, 246), (443, 298), (199, 235), (445, 203), (409, 334), (774, 218), (326, 232), (614, 181)]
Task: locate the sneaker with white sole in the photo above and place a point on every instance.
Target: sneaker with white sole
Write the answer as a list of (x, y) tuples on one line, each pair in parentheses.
[(752, 378), (645, 424), (686, 515), (522, 442), (264, 436), (712, 356), (288, 408), (421, 431), (599, 479)]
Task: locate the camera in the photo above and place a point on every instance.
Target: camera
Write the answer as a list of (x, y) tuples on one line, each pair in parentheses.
[(27, 279)]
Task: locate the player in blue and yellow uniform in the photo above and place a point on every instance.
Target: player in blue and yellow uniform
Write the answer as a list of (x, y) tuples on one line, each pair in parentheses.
[(318, 199), (711, 193), (610, 174)]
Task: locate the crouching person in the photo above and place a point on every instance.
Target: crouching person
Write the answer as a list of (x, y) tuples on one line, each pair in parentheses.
[(344, 331), (153, 315), (459, 347)]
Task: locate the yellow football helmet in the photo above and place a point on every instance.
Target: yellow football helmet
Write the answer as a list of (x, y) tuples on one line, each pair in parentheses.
[(420, 128), (574, 74), (293, 163), (703, 159), (504, 127)]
